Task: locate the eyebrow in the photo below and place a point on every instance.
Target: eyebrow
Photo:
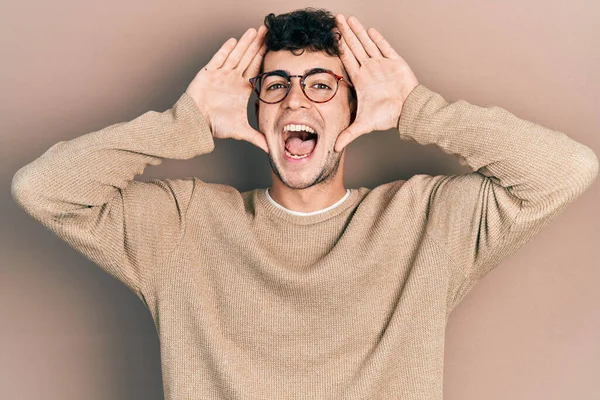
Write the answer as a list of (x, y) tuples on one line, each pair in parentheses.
[(305, 71)]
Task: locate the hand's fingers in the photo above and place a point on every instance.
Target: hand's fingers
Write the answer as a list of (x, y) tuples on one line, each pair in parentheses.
[(221, 55), (351, 39), (348, 59), (386, 48), (360, 32), (349, 134), (253, 49), (234, 57), (254, 66)]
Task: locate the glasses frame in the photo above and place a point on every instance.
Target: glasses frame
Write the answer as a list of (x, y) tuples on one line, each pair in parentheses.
[(338, 78)]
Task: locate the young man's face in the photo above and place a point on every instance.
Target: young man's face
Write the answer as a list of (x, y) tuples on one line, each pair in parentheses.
[(327, 119)]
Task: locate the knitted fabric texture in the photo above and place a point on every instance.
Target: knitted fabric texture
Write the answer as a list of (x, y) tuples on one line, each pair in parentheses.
[(253, 302)]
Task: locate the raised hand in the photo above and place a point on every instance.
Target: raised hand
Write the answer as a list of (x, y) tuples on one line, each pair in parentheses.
[(221, 89), (381, 78)]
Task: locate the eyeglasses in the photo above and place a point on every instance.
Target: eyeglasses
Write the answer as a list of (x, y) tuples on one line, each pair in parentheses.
[(318, 85)]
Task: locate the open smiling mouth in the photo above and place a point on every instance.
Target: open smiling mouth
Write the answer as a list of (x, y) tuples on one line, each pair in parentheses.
[(299, 141)]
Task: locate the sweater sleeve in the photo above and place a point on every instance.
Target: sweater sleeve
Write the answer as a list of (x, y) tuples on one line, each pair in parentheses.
[(524, 176), (83, 190)]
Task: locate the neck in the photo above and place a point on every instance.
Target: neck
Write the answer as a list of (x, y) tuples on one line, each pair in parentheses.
[(311, 199)]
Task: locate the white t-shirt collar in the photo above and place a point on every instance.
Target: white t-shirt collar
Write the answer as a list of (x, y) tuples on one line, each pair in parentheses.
[(337, 203)]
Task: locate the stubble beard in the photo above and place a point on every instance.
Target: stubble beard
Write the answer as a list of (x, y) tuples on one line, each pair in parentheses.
[(327, 173)]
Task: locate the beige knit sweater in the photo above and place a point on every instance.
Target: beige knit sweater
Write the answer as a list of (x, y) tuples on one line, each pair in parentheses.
[(253, 302)]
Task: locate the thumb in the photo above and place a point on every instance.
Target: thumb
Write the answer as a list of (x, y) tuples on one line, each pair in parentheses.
[(256, 138), (349, 134)]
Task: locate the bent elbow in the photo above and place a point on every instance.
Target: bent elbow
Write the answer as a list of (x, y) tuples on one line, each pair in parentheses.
[(26, 191), (585, 169)]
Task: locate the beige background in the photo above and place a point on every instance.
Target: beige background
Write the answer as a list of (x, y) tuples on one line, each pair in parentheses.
[(529, 330)]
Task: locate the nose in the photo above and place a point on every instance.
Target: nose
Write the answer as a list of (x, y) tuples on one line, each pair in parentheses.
[(295, 98)]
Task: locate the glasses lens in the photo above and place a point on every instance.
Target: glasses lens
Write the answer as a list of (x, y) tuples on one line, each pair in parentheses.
[(272, 87), (320, 86)]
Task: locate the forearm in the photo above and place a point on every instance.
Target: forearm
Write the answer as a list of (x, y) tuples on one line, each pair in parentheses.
[(88, 170), (532, 162)]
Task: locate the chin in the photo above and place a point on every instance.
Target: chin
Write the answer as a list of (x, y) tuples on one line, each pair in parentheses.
[(298, 179), (295, 179), (308, 172), (299, 185)]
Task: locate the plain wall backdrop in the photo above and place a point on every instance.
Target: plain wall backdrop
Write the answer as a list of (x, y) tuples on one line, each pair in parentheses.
[(529, 330)]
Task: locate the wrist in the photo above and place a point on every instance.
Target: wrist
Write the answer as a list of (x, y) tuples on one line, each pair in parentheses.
[(405, 98), (203, 112)]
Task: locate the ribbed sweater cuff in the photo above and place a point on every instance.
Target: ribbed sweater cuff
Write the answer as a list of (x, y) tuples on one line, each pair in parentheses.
[(204, 139), (411, 110)]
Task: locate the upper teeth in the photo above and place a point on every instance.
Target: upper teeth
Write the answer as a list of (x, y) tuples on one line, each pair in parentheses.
[(292, 127)]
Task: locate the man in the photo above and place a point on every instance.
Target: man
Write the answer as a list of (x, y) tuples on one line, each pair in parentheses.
[(308, 290)]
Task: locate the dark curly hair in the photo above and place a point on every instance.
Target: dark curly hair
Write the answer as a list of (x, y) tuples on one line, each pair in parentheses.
[(308, 28), (303, 29)]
